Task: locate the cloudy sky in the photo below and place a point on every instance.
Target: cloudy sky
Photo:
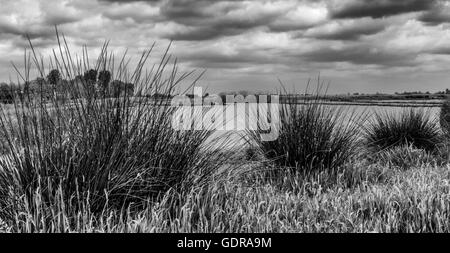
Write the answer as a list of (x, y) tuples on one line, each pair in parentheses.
[(357, 45)]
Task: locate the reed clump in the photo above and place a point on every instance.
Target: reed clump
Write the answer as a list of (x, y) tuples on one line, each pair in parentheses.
[(413, 127), (90, 143)]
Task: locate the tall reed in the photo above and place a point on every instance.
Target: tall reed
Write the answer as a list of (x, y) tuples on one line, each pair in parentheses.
[(313, 137), (414, 127), (86, 147)]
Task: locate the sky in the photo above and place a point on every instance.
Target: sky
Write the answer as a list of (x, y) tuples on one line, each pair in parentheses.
[(360, 46)]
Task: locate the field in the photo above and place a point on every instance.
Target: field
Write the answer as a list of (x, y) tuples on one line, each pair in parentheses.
[(381, 200), (112, 162)]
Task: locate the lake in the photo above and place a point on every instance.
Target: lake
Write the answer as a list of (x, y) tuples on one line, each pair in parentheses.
[(234, 131)]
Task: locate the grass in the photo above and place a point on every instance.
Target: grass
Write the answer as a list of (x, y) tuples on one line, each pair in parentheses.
[(405, 157), (416, 200)]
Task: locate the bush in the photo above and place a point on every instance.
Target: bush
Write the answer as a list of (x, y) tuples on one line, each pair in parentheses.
[(413, 127), (313, 137), (94, 152)]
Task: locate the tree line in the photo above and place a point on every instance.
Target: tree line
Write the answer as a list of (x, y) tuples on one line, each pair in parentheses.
[(94, 80)]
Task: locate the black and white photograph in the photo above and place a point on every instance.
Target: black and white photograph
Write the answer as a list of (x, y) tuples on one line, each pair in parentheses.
[(243, 117)]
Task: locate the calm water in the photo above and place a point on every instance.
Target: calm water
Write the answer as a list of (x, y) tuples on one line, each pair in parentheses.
[(372, 110), (236, 135)]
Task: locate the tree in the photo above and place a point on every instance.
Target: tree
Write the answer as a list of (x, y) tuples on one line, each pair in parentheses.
[(115, 88), (78, 78), (118, 87), (243, 93), (129, 89), (54, 77), (90, 76), (6, 93), (104, 77)]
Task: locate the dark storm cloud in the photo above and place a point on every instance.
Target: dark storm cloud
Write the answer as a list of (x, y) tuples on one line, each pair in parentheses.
[(138, 13), (439, 14), (435, 18), (198, 13), (23, 32), (361, 55), (382, 8), (218, 28), (37, 42), (201, 20), (353, 31), (201, 33), (129, 1), (205, 20), (136, 10), (187, 10), (60, 19), (443, 50), (212, 58), (286, 27)]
